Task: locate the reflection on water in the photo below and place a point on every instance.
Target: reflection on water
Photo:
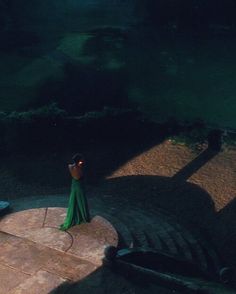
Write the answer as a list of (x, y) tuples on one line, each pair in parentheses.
[(117, 57)]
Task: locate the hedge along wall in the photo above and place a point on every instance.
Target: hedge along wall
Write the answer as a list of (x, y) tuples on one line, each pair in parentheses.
[(50, 128)]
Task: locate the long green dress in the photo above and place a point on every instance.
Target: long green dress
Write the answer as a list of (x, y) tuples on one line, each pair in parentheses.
[(77, 211)]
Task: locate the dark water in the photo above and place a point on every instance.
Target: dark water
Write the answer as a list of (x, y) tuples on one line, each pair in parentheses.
[(87, 54)]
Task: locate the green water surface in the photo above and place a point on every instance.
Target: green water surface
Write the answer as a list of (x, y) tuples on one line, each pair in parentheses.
[(164, 74)]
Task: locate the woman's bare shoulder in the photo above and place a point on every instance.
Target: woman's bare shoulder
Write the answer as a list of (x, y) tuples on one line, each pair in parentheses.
[(71, 166)]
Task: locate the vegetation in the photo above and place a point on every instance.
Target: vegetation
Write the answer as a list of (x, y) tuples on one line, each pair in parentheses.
[(196, 135), (193, 135), (47, 112), (48, 128)]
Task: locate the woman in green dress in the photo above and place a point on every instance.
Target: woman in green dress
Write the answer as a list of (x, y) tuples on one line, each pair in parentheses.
[(77, 211)]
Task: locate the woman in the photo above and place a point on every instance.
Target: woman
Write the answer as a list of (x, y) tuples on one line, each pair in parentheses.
[(77, 211)]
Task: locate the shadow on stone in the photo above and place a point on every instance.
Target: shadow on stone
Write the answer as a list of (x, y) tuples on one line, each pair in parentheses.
[(104, 280), (195, 165), (188, 202), (226, 228)]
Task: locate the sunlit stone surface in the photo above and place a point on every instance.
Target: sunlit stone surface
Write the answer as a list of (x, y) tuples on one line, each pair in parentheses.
[(41, 257)]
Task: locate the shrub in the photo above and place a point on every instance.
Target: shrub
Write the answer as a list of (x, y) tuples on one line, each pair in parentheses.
[(30, 129)]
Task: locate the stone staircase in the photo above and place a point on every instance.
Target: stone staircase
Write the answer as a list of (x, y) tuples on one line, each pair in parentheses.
[(137, 227), (161, 232)]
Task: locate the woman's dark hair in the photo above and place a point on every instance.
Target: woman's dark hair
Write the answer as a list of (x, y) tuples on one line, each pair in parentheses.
[(77, 157)]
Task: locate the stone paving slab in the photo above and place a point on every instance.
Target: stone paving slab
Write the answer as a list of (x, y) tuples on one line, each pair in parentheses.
[(41, 257), (18, 222), (23, 255), (50, 237), (68, 266), (54, 216), (6, 239), (93, 237), (10, 278), (41, 283)]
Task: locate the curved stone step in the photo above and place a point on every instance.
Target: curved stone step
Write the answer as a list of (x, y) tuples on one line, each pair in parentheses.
[(202, 251), (162, 236), (180, 242), (213, 261), (125, 236), (155, 227), (194, 246), (136, 230), (167, 239), (188, 247), (140, 239), (154, 240), (137, 223), (172, 237), (172, 241), (203, 247), (214, 257), (159, 234)]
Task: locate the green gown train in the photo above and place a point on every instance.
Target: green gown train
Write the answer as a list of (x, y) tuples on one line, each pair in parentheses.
[(77, 211)]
